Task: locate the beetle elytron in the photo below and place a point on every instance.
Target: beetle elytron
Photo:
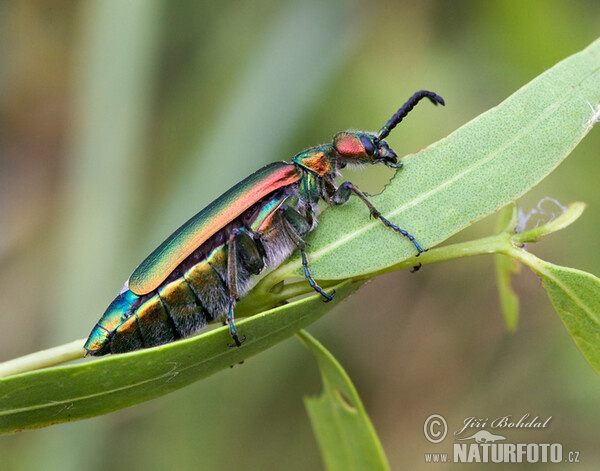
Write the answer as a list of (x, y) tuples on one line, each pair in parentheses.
[(199, 273)]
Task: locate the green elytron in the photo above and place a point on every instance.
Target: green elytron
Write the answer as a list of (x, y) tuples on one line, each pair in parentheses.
[(199, 273)]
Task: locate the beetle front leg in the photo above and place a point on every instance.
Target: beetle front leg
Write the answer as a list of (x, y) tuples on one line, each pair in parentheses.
[(343, 192), (232, 278)]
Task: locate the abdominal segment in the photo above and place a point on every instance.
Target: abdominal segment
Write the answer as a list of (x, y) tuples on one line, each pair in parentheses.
[(198, 291)]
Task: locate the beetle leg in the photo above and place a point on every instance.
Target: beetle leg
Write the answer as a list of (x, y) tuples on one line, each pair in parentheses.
[(289, 216), (232, 277), (313, 284), (344, 191)]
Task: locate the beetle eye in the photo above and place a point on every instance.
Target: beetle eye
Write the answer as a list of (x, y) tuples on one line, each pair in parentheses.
[(368, 145)]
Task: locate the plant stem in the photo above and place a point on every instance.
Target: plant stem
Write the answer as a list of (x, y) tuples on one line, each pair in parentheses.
[(499, 243), (43, 359)]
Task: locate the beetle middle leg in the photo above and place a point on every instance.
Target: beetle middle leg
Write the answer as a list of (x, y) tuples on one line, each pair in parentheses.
[(292, 220), (342, 194)]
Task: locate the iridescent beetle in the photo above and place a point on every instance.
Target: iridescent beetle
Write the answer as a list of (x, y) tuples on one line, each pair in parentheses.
[(199, 273)]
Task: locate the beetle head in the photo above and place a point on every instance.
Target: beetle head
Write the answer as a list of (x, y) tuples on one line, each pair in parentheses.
[(366, 147), (357, 147)]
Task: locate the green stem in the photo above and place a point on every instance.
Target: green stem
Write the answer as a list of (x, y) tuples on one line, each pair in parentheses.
[(43, 359), (499, 243), (526, 258), (265, 296), (492, 244)]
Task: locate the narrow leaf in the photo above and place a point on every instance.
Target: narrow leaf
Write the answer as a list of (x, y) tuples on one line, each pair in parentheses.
[(569, 215), (345, 434), (576, 297), (509, 301), (476, 170), (507, 218), (63, 394), (505, 267)]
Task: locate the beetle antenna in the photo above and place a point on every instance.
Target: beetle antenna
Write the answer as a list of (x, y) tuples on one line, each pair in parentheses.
[(406, 108)]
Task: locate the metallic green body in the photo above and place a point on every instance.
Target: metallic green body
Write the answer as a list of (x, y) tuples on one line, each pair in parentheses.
[(182, 304), (160, 263), (200, 271)]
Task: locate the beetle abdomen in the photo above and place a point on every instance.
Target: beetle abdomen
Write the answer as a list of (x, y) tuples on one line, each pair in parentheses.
[(206, 265), (181, 306), (198, 290), (177, 309)]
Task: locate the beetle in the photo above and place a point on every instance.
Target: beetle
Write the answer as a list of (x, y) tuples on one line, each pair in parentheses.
[(203, 268)]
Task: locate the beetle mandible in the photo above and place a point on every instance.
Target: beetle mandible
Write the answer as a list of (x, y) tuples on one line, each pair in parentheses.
[(201, 270)]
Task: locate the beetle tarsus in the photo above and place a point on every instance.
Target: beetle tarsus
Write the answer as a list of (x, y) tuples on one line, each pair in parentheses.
[(406, 234), (393, 165), (313, 284), (328, 297), (232, 329), (236, 339)]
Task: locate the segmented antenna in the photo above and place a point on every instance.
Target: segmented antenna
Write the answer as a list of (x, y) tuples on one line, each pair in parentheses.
[(406, 108)]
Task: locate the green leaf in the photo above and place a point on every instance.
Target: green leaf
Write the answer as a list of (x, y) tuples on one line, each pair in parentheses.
[(481, 167), (63, 394), (575, 295), (345, 434), (476, 170), (507, 219), (509, 301), (570, 214), (505, 267)]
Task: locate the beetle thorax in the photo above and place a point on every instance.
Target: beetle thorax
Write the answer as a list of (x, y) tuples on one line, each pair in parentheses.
[(319, 160)]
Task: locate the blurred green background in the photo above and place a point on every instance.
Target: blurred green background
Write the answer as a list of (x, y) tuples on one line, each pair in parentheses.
[(119, 120)]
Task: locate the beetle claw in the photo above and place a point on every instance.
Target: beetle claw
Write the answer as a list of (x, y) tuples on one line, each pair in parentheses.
[(328, 297), (238, 342), (421, 251)]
